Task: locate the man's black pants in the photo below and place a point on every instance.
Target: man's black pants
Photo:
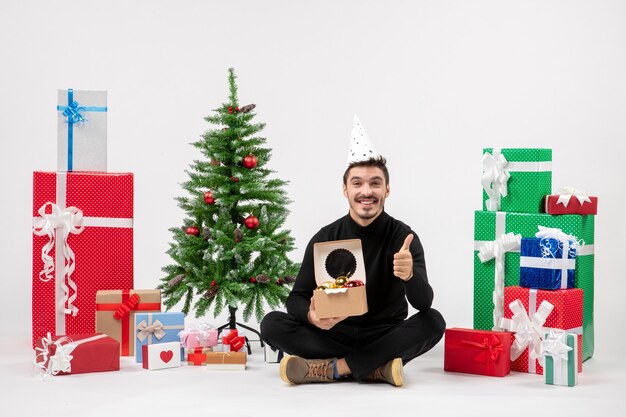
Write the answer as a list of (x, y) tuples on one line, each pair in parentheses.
[(364, 348)]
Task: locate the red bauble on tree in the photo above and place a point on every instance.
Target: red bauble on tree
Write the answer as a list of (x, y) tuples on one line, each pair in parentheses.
[(253, 280), (280, 281), (230, 110), (251, 222), (234, 179), (249, 161), (192, 230), (208, 198)]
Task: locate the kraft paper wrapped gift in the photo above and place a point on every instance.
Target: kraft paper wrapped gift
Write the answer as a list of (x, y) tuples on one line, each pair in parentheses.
[(197, 356), (160, 356), (479, 352), (82, 130), (82, 243), (226, 361), (115, 314), (516, 179), (531, 313), (569, 200), (153, 328), (494, 274), (76, 354), (346, 259), (560, 352)]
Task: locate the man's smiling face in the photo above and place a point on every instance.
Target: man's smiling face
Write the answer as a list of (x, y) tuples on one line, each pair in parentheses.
[(366, 191)]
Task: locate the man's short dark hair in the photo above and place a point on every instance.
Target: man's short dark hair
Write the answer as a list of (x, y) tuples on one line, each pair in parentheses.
[(378, 162)]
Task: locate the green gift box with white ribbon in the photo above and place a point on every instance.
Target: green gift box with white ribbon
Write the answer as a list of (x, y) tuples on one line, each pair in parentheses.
[(497, 235), (516, 179), (560, 351)]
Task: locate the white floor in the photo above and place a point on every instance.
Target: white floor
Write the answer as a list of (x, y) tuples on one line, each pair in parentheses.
[(258, 391)]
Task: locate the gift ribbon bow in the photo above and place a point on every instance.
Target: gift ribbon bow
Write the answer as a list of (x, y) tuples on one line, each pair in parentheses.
[(566, 194), (491, 348), (68, 220), (73, 112), (126, 307), (528, 332), (497, 249), (61, 361), (495, 178), (555, 345), (156, 328)]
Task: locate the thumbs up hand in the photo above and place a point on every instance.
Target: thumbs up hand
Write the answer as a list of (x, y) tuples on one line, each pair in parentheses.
[(403, 260)]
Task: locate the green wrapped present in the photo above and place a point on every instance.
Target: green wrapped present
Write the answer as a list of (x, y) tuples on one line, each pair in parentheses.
[(516, 180), (504, 265)]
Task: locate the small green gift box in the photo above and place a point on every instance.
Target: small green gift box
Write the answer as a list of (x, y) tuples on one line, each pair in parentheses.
[(516, 179)]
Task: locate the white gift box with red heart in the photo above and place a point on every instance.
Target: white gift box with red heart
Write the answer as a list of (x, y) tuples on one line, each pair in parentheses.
[(161, 356)]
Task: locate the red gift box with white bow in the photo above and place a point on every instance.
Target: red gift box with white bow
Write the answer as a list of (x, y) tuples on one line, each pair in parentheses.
[(530, 313), (82, 243), (480, 352), (571, 201), (77, 354)]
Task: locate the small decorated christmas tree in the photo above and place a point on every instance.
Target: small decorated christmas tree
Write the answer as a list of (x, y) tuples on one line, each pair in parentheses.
[(231, 250)]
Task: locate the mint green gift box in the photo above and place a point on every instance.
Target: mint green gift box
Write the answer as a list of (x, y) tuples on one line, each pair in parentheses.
[(523, 174), (489, 225)]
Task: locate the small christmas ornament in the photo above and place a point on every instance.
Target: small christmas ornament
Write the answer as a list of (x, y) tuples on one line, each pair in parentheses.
[(249, 161), (238, 235), (206, 233), (225, 129), (354, 283), (208, 198), (280, 281), (289, 279), (234, 179), (248, 108), (213, 283), (230, 110), (210, 293), (262, 279), (192, 230), (253, 280), (252, 222), (341, 281), (237, 109), (176, 280)]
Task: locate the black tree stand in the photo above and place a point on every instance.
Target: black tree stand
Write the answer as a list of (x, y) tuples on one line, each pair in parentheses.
[(232, 324)]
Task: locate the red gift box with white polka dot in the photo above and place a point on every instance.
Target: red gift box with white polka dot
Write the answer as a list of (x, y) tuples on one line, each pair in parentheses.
[(102, 251), (566, 315)]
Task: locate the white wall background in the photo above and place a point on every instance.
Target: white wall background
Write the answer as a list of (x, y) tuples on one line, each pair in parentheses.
[(432, 81)]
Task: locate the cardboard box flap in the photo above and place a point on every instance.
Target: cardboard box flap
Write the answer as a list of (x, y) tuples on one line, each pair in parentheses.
[(338, 258)]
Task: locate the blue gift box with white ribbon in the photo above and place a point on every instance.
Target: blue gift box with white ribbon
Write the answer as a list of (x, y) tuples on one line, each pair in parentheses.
[(547, 263), (153, 328), (82, 130)]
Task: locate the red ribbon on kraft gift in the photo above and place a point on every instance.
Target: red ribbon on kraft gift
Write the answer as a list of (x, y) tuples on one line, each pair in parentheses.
[(122, 312)]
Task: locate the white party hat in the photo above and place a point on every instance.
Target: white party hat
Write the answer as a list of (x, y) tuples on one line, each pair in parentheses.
[(361, 148)]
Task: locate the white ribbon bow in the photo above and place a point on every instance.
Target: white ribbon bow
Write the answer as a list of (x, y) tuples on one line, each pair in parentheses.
[(156, 328), (61, 361), (68, 220), (497, 249), (555, 345), (566, 193), (494, 179), (528, 332)]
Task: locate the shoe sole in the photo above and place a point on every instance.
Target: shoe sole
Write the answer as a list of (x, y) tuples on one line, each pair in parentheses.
[(283, 370), (397, 372)]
